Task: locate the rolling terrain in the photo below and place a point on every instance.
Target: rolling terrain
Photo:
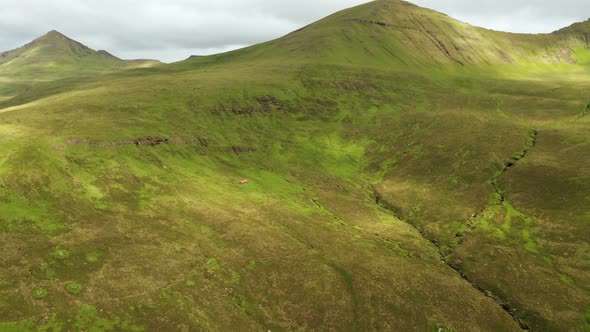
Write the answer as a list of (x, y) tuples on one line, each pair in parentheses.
[(406, 171)]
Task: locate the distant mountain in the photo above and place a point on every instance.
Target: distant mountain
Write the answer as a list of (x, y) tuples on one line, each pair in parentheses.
[(52, 48), (55, 56)]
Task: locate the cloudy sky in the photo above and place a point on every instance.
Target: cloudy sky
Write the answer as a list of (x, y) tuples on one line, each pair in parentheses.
[(171, 30)]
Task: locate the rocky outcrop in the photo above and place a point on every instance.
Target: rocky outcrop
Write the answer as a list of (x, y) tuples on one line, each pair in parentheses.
[(262, 105)]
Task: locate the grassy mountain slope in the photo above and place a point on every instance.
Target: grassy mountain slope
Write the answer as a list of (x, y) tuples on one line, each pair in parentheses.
[(53, 57), (406, 172), (397, 34)]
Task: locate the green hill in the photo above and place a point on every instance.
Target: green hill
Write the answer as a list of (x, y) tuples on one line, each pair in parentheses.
[(53, 57), (51, 49), (406, 171), (399, 34)]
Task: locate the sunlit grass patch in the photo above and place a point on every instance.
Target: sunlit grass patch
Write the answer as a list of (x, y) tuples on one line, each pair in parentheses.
[(17, 215), (74, 287), (567, 280), (39, 293), (61, 254), (93, 257)]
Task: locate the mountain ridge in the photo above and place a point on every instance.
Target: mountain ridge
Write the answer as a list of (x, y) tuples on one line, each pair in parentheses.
[(400, 34)]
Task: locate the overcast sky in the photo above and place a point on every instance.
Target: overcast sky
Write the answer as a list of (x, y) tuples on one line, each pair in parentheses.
[(171, 30)]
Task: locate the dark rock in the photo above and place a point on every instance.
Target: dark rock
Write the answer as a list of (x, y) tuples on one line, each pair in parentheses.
[(150, 141)]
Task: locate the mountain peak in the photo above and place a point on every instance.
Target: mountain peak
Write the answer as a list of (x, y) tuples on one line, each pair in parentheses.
[(54, 33), (54, 48), (53, 36)]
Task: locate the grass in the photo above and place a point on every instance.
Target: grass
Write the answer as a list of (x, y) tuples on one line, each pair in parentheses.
[(61, 254), (163, 236), (93, 258), (39, 293), (74, 288)]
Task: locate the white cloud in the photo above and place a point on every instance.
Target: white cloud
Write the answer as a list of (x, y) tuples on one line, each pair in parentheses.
[(524, 16)]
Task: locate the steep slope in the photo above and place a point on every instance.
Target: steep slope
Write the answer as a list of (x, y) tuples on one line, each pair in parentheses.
[(580, 30), (398, 34), (393, 185), (55, 56)]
